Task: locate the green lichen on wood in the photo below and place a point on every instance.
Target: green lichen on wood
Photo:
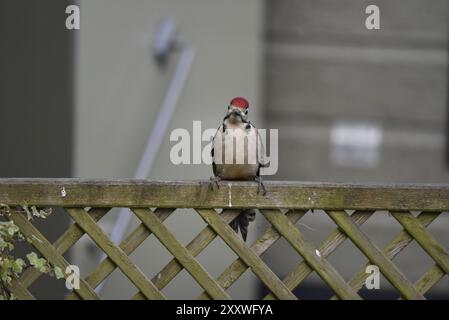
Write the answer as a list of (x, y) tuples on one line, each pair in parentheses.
[(375, 255), (115, 253), (195, 194), (12, 267), (137, 195)]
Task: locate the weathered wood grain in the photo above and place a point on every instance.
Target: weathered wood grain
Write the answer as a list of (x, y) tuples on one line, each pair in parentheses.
[(116, 254), (329, 245), (128, 245), (265, 274), (265, 241), (19, 290), (181, 253), (375, 255), (64, 243), (101, 195), (318, 263), (196, 246), (196, 194), (392, 249), (424, 238), (429, 279), (50, 253)]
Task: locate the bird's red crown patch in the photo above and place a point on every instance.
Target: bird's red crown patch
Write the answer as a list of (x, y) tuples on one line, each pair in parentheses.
[(240, 103)]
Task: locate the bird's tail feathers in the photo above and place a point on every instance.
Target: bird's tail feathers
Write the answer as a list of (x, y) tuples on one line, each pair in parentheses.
[(242, 222)]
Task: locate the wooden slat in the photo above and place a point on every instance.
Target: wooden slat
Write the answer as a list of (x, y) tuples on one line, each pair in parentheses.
[(128, 245), (116, 254), (233, 272), (331, 197), (196, 246), (308, 252), (332, 242), (425, 239), (19, 290), (49, 252), (196, 270), (392, 249), (375, 255), (429, 279), (246, 254), (293, 195), (64, 243)]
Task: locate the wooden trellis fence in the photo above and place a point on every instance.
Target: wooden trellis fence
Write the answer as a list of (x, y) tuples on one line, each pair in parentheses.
[(285, 203)]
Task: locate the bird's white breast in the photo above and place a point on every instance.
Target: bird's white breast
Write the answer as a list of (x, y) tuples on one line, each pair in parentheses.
[(237, 152)]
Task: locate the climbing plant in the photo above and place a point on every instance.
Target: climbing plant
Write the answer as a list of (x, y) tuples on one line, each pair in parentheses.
[(11, 267)]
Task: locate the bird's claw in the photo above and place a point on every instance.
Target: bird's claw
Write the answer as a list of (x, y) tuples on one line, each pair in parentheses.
[(214, 183), (261, 186)]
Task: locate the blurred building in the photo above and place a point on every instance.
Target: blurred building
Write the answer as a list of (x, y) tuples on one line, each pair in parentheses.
[(37, 102), (359, 105)]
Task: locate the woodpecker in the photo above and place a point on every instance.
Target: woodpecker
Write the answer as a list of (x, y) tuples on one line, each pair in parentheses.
[(237, 154)]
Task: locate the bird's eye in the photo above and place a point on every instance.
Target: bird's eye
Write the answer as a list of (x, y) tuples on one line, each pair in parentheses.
[(246, 112)]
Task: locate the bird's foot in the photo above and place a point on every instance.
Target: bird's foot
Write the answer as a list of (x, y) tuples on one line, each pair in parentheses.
[(261, 186), (214, 183), (265, 165)]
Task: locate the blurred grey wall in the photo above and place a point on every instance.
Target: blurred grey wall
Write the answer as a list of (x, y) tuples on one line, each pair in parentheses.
[(36, 92), (120, 90), (358, 105), (325, 67)]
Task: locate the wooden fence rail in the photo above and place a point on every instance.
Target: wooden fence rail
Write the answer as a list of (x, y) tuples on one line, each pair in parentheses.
[(349, 206)]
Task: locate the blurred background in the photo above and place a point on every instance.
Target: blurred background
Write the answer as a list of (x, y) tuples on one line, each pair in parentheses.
[(351, 105)]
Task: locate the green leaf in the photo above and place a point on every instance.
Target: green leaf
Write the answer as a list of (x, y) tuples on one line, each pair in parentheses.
[(58, 273), (35, 212), (32, 258), (6, 264), (29, 215), (18, 265), (6, 278), (39, 213), (13, 229), (3, 244), (4, 209), (42, 267), (38, 263)]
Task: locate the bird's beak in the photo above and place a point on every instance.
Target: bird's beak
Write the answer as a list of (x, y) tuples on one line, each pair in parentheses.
[(237, 114)]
